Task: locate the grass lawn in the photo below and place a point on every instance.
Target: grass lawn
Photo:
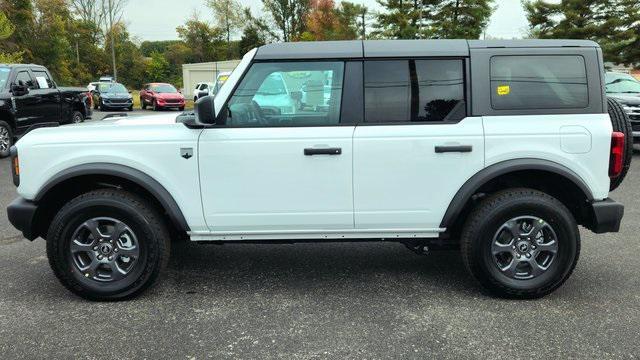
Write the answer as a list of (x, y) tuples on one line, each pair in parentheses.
[(188, 103)]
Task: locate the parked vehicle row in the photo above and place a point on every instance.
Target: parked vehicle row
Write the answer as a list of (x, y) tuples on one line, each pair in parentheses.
[(30, 97)]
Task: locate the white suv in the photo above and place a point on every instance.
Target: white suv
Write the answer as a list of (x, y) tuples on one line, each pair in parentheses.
[(499, 148)]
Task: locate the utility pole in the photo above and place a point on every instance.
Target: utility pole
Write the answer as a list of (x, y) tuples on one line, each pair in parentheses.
[(77, 53), (364, 29), (113, 42)]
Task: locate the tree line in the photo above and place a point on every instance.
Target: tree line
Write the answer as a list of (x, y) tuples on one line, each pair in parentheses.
[(79, 40)]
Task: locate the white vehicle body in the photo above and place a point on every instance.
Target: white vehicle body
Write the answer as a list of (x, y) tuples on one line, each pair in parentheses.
[(387, 183), (499, 148)]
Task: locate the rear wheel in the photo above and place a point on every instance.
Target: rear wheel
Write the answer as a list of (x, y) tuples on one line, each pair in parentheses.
[(520, 243), (6, 139), (107, 245), (620, 123), (77, 117)]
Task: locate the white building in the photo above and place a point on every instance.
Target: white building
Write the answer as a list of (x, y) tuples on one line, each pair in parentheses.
[(204, 72)]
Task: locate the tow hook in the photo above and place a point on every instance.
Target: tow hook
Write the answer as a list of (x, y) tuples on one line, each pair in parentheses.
[(419, 248)]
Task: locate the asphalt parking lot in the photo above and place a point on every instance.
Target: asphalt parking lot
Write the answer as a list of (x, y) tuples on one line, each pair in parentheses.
[(358, 300)]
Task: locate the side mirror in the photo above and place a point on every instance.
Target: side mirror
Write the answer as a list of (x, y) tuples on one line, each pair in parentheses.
[(205, 110), (129, 91), (19, 89)]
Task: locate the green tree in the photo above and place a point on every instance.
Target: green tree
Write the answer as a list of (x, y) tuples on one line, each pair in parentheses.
[(614, 24), (228, 16), (456, 19), (288, 16), (158, 68), (401, 19), (149, 47), (6, 30), (20, 14), (251, 38), (205, 41), (350, 18)]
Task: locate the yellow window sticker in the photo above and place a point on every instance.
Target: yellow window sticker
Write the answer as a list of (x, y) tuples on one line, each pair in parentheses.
[(504, 90)]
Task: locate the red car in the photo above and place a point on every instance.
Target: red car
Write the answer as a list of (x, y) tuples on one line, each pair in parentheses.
[(160, 96)]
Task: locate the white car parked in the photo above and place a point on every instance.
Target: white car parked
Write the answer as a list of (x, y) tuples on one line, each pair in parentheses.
[(498, 148)]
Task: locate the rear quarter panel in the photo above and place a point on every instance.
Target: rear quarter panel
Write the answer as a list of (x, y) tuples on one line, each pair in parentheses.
[(580, 142)]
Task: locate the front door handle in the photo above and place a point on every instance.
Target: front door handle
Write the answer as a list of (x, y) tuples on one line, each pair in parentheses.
[(453, 148), (322, 151)]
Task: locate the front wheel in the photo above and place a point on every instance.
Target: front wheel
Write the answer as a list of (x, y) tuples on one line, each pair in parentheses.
[(143, 105), (155, 106), (107, 245), (6, 139), (520, 243)]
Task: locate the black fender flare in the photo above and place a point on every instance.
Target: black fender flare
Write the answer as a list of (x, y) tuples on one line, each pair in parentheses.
[(138, 177), (493, 171)]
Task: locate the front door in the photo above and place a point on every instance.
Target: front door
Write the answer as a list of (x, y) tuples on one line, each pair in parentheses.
[(282, 161), (29, 107), (418, 146)]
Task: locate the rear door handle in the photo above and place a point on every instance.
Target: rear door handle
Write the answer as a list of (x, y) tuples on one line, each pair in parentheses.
[(322, 151), (453, 148)]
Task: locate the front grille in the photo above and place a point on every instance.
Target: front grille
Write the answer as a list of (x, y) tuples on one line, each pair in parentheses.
[(172, 101), (117, 101), (633, 111)]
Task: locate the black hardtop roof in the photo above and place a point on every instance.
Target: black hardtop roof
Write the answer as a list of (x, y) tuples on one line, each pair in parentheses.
[(399, 48), (22, 65)]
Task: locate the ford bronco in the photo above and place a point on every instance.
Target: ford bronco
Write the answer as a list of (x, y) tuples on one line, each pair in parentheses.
[(497, 148)]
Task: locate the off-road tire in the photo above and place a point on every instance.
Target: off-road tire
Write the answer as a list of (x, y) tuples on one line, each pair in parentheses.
[(621, 123), (7, 127), (152, 236), (485, 219)]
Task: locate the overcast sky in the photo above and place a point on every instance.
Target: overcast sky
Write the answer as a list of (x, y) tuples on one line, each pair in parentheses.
[(158, 19)]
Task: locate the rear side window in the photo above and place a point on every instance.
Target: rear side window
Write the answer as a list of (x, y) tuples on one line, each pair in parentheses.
[(43, 79), (538, 82), (414, 91)]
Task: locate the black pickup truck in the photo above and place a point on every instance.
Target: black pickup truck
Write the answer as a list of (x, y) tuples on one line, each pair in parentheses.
[(29, 96)]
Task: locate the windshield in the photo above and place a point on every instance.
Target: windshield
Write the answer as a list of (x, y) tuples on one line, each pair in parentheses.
[(624, 85), (4, 76), (272, 85), (116, 89), (166, 88)]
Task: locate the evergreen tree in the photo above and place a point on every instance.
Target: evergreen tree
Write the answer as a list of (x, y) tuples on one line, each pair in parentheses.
[(456, 19), (614, 24), (400, 20)]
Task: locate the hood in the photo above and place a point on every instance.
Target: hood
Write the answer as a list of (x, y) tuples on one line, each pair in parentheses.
[(116, 95), (159, 119), (628, 99), (169, 96)]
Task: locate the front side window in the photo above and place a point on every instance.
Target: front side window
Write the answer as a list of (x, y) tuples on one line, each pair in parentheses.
[(288, 94), (414, 91), (24, 78), (538, 82)]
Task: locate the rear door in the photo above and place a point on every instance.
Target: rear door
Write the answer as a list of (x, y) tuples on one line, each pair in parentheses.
[(49, 96), (277, 166), (417, 146)]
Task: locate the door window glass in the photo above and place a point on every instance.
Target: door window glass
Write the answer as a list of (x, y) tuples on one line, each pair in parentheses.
[(43, 79), (414, 91), (538, 82), (288, 94), (24, 78)]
